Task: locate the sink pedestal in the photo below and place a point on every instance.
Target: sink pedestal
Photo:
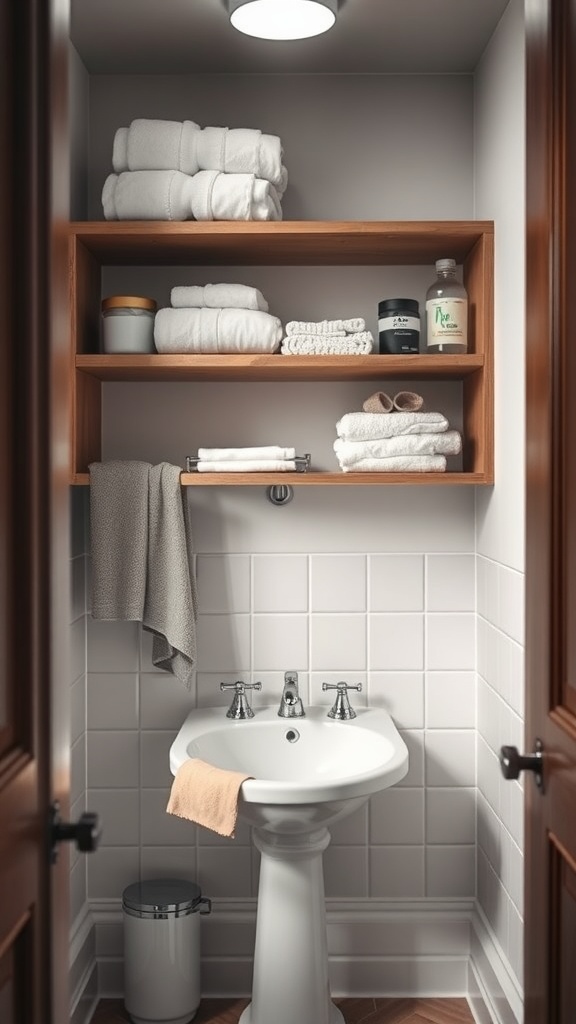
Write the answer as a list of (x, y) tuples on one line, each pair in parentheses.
[(290, 984)]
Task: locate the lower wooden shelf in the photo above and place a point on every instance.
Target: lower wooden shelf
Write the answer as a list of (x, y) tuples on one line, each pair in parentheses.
[(317, 479)]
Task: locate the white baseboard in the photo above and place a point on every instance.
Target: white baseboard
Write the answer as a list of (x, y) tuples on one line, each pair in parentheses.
[(379, 948)]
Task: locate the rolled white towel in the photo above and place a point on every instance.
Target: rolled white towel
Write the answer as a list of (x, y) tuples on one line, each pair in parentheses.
[(216, 330), (218, 296), (172, 195), (219, 196), (366, 426), (270, 451), (149, 144), (400, 464), (248, 466), (359, 344), (351, 452), (148, 195), (351, 326)]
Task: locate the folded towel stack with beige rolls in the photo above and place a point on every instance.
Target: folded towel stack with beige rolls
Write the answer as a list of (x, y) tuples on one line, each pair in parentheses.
[(264, 459), (217, 319), (394, 441), (173, 170), (327, 337)]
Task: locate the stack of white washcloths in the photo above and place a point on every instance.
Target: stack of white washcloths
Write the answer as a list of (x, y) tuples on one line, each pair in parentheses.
[(267, 459), (399, 438), (216, 318), (327, 338), (175, 170)]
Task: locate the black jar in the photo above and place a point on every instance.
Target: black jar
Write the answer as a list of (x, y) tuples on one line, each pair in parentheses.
[(398, 326)]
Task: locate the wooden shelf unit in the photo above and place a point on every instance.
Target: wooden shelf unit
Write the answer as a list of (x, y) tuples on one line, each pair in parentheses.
[(289, 243)]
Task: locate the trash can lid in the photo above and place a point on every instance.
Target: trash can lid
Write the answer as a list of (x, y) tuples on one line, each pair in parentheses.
[(161, 895)]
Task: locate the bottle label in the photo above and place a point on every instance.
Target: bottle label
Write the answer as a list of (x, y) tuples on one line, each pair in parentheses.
[(447, 321), (399, 322)]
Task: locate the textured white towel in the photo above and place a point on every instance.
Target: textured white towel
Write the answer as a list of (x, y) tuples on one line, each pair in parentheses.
[(183, 146), (366, 426), (248, 466), (218, 296), (350, 452), (172, 195), (350, 326), (400, 464), (359, 344), (216, 330), (270, 451)]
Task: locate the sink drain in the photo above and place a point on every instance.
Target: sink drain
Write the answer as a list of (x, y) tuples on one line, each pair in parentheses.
[(292, 735)]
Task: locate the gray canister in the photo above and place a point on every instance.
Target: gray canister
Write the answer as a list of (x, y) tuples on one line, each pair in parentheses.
[(128, 324), (398, 326), (162, 950)]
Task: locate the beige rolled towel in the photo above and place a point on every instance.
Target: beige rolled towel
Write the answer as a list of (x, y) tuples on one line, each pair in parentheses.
[(207, 795), (407, 401), (378, 402)]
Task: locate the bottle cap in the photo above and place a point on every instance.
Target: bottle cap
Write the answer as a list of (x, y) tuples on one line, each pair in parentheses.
[(445, 265)]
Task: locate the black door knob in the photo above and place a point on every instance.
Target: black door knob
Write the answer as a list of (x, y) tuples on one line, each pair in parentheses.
[(512, 763), (85, 832)]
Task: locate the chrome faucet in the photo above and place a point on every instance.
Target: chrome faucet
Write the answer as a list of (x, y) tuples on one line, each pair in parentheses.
[(290, 701)]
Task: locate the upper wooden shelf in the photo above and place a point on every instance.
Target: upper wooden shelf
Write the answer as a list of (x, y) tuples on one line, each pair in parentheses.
[(303, 243), (276, 367)]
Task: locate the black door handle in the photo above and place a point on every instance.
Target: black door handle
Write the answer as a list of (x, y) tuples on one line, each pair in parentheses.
[(512, 763), (85, 832)]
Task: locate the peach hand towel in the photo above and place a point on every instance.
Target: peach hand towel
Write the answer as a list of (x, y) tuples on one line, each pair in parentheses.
[(207, 795)]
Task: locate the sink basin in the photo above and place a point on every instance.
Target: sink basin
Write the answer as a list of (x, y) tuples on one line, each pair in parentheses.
[(306, 771)]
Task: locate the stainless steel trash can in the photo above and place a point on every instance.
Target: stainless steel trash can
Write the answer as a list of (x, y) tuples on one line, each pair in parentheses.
[(162, 950)]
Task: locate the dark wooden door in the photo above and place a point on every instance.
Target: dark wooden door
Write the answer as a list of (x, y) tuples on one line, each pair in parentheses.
[(550, 976), (34, 554)]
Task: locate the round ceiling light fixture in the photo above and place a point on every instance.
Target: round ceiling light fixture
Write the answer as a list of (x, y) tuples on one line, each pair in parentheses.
[(282, 19)]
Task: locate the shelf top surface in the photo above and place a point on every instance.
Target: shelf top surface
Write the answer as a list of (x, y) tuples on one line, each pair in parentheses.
[(282, 243)]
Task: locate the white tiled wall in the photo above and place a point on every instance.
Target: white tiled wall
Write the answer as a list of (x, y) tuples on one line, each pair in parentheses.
[(500, 714), (389, 622)]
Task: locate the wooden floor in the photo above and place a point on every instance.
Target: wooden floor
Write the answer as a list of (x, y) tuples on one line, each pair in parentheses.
[(355, 1011)]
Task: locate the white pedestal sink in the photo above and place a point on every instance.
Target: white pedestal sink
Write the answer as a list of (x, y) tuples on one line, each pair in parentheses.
[(308, 772)]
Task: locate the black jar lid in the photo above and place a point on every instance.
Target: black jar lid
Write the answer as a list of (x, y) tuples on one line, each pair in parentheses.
[(394, 305)]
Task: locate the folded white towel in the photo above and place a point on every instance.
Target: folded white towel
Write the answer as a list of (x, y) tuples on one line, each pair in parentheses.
[(248, 466), (400, 464), (172, 195), (270, 451), (183, 146), (359, 344), (366, 426), (216, 330), (218, 296), (350, 452), (350, 326)]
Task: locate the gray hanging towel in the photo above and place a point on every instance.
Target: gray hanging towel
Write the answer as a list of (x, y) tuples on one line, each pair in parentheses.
[(170, 609), (142, 557)]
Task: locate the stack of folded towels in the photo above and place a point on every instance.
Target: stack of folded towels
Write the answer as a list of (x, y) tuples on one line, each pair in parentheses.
[(266, 459), (327, 338), (173, 170), (216, 318), (399, 438)]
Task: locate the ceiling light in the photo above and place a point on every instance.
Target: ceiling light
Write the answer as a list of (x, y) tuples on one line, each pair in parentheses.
[(282, 19)]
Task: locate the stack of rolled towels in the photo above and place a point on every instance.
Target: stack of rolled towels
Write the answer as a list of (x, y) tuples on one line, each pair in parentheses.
[(175, 170), (265, 459), (327, 338), (395, 436), (216, 318)]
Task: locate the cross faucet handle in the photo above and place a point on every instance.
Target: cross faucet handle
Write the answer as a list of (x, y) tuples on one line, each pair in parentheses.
[(240, 708), (341, 710)]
